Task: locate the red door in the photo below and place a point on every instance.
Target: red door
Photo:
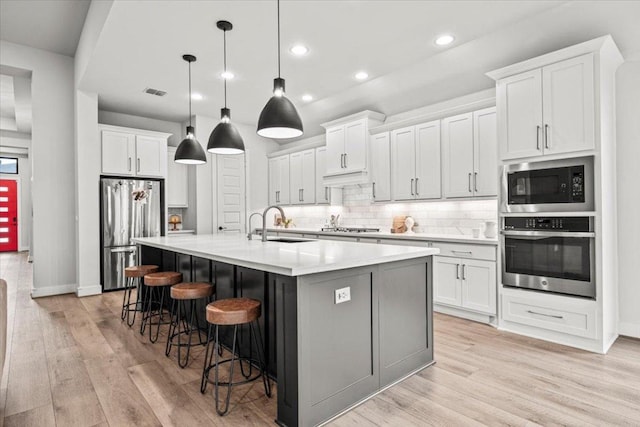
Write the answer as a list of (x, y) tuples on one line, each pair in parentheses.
[(8, 215)]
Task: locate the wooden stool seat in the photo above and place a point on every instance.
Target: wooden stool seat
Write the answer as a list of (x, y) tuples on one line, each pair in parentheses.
[(163, 278), (233, 311), (192, 290), (140, 270)]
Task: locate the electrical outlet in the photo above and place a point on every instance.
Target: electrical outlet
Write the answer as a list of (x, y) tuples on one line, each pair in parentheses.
[(342, 295)]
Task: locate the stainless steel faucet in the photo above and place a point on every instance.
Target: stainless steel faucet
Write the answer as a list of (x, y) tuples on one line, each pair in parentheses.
[(250, 217), (264, 220)]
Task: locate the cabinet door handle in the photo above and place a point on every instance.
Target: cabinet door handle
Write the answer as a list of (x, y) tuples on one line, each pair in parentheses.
[(538, 137), (475, 181), (342, 161), (374, 190), (546, 315), (129, 164), (138, 170), (464, 274), (462, 252), (326, 190), (302, 194), (278, 196), (346, 157), (417, 192), (546, 136), (470, 191), (457, 271), (412, 187)]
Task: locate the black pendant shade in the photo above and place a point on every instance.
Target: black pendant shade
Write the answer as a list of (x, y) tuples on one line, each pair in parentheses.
[(225, 138), (279, 119), (190, 152)]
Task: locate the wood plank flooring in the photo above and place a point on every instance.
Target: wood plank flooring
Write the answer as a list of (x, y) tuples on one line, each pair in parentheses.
[(72, 362)]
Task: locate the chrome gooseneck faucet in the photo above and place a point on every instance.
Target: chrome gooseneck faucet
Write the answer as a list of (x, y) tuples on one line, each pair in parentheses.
[(249, 234), (264, 220)]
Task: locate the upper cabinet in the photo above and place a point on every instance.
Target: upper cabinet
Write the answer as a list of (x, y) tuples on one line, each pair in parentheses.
[(177, 182), (469, 144), (547, 110), (415, 156), (303, 177), (279, 179), (380, 151), (346, 156), (133, 152)]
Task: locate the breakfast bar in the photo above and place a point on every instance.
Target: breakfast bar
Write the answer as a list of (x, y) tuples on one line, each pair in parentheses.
[(341, 320)]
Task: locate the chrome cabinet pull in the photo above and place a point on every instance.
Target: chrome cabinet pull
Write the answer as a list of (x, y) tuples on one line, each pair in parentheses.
[(374, 190), (546, 136), (302, 194), (457, 271), (129, 164), (546, 315), (346, 157), (538, 137), (412, 187), (342, 162), (470, 183), (464, 274), (417, 192), (461, 252), (138, 164), (326, 190), (475, 181)]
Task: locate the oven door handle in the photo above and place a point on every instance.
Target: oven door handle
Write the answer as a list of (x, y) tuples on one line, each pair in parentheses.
[(547, 233)]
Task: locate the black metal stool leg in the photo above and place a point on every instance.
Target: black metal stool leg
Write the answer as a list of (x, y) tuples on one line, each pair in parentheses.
[(138, 303), (230, 382), (172, 326), (147, 315), (249, 356), (207, 361), (153, 338)]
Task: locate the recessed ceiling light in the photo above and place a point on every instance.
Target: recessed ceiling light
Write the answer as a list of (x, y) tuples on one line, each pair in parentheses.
[(227, 75), (196, 96), (444, 39), (299, 50), (307, 98), (361, 75)]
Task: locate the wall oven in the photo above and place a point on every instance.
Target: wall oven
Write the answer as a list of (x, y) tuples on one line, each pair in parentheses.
[(551, 254), (550, 186)]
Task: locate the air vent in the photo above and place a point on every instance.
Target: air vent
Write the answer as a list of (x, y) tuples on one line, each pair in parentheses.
[(155, 92)]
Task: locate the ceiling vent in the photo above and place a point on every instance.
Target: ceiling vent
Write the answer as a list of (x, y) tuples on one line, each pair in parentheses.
[(155, 92)]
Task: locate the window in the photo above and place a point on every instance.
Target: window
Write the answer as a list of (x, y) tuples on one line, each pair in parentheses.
[(9, 165)]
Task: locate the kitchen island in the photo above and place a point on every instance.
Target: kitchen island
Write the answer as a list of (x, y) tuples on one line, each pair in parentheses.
[(341, 320)]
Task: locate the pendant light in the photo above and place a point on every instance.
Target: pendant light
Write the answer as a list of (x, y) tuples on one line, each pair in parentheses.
[(225, 138), (279, 118), (190, 151)]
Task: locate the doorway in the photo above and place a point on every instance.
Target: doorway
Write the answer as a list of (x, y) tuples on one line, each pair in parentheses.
[(9, 215), (230, 178)]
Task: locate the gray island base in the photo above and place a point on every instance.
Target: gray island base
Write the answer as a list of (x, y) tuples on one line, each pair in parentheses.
[(326, 355)]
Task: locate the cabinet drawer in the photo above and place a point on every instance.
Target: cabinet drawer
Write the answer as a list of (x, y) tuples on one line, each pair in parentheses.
[(487, 253), (575, 318)]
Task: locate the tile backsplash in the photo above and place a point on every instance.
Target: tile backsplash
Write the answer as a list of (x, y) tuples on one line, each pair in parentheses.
[(438, 217)]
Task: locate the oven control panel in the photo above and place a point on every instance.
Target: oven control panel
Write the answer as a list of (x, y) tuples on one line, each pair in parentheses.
[(564, 223)]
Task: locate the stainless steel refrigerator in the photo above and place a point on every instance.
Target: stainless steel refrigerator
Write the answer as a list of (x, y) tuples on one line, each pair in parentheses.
[(129, 208)]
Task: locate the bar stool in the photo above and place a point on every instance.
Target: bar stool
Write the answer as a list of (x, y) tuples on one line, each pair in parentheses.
[(157, 283), (181, 293), (233, 312), (133, 276)]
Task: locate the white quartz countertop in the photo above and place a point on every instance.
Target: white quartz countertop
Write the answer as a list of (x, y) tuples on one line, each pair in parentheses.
[(290, 259), (454, 238)]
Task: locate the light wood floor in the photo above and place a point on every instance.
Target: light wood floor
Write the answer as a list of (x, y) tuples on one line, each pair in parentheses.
[(71, 362)]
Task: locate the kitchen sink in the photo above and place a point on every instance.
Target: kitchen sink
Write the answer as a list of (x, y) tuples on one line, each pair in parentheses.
[(288, 240)]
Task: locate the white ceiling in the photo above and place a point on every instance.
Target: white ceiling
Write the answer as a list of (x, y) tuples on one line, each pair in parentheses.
[(142, 42), (53, 25)]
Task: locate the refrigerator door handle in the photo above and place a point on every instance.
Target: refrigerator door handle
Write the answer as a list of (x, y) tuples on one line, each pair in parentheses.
[(133, 249)]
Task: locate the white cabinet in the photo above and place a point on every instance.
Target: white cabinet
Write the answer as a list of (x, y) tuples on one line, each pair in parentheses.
[(322, 191), (346, 141), (470, 154), (465, 283), (380, 151), (415, 156), (303, 177), (133, 152), (177, 182), (279, 180), (547, 110)]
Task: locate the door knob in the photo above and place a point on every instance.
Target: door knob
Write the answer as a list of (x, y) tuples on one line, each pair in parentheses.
[(222, 228)]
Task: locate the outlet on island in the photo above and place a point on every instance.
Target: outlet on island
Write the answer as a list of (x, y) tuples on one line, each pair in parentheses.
[(342, 295)]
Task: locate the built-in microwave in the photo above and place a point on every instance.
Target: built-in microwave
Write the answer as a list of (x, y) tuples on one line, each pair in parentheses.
[(550, 186)]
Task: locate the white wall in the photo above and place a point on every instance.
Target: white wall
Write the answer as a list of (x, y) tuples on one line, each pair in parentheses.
[(139, 122), (628, 176), (15, 147), (53, 160)]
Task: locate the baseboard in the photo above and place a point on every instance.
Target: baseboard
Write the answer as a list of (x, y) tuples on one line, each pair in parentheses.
[(48, 291), (85, 291), (469, 315), (629, 329)]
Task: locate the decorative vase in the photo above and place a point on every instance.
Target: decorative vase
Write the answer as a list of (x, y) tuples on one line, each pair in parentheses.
[(409, 223)]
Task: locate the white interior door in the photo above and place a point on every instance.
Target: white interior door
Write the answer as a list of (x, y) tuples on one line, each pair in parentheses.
[(231, 193)]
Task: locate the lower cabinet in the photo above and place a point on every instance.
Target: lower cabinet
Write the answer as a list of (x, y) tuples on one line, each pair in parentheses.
[(465, 283)]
